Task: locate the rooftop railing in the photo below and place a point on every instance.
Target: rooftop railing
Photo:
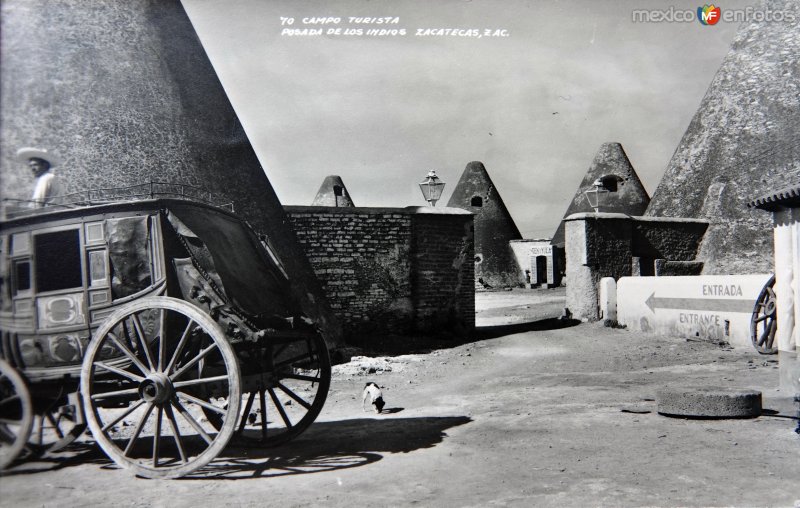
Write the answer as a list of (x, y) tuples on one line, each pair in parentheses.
[(151, 190)]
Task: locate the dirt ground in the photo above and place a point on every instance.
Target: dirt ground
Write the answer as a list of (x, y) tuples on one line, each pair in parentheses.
[(527, 414)]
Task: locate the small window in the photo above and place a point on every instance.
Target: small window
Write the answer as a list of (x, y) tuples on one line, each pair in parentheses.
[(94, 233), (20, 243), (58, 260), (476, 201), (22, 276), (610, 182), (338, 190)]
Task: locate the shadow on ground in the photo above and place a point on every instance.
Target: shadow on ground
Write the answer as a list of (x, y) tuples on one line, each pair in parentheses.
[(393, 345), (329, 446), (325, 446), (74, 455), (492, 332)]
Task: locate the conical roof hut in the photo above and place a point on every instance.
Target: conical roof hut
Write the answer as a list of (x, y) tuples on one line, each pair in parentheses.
[(124, 94), (332, 192), (495, 264), (626, 193), (741, 143)]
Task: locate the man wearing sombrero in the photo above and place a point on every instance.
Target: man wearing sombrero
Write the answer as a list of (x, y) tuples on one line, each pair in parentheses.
[(40, 162)]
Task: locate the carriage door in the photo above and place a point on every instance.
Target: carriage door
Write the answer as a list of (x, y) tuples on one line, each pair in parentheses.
[(60, 296)]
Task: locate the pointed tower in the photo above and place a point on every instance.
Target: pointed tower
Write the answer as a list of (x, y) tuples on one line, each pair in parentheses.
[(495, 264), (124, 94), (741, 143), (626, 192), (332, 192)]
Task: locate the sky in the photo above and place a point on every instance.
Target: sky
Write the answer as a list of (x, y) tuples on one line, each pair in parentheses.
[(533, 99)]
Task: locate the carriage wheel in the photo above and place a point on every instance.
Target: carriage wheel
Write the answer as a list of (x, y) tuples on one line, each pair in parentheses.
[(146, 377), (56, 425), (16, 414), (764, 323), (289, 395)]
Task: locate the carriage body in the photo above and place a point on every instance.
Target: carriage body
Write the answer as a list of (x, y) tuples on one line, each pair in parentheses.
[(95, 279), (66, 271)]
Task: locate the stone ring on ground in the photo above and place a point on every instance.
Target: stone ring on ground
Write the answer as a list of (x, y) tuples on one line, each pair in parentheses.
[(704, 402)]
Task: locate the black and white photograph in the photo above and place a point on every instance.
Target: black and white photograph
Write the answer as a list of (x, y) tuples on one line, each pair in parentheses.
[(341, 253)]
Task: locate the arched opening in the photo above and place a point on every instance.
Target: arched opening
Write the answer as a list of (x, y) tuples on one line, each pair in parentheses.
[(610, 182), (338, 190)]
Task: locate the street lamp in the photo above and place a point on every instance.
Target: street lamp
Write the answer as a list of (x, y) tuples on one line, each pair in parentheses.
[(596, 195), (432, 188)]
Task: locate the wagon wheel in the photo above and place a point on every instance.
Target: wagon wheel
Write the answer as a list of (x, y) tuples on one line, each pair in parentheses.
[(146, 377), (56, 424), (764, 323), (288, 396), (16, 414)]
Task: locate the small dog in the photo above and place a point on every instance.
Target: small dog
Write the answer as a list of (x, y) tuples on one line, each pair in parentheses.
[(373, 393)]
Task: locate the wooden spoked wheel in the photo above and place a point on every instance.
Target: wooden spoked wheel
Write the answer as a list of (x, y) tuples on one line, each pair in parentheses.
[(16, 414), (764, 322), (146, 378), (284, 399)]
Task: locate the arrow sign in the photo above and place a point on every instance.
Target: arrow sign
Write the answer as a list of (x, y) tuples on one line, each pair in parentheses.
[(700, 304)]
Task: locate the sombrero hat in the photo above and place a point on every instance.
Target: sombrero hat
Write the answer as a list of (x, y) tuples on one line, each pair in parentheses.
[(24, 154)]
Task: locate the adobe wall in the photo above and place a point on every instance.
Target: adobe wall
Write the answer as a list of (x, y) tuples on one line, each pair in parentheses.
[(392, 270), (712, 307), (617, 245), (526, 252)]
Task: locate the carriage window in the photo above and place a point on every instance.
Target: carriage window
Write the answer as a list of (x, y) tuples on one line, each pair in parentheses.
[(128, 241), (58, 260), (22, 276)]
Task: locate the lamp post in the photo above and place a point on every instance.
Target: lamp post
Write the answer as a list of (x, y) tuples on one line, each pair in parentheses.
[(596, 195), (431, 188)]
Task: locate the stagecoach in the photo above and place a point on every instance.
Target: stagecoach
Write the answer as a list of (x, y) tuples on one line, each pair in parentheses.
[(164, 324)]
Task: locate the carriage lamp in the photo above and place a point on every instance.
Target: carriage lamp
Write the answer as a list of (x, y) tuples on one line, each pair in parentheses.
[(596, 195), (431, 188)]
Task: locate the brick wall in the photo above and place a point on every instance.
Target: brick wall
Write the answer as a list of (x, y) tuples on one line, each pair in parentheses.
[(443, 289), (391, 270)]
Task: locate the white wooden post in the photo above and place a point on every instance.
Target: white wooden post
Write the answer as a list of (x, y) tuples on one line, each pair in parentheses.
[(784, 293), (795, 339), (608, 299)]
